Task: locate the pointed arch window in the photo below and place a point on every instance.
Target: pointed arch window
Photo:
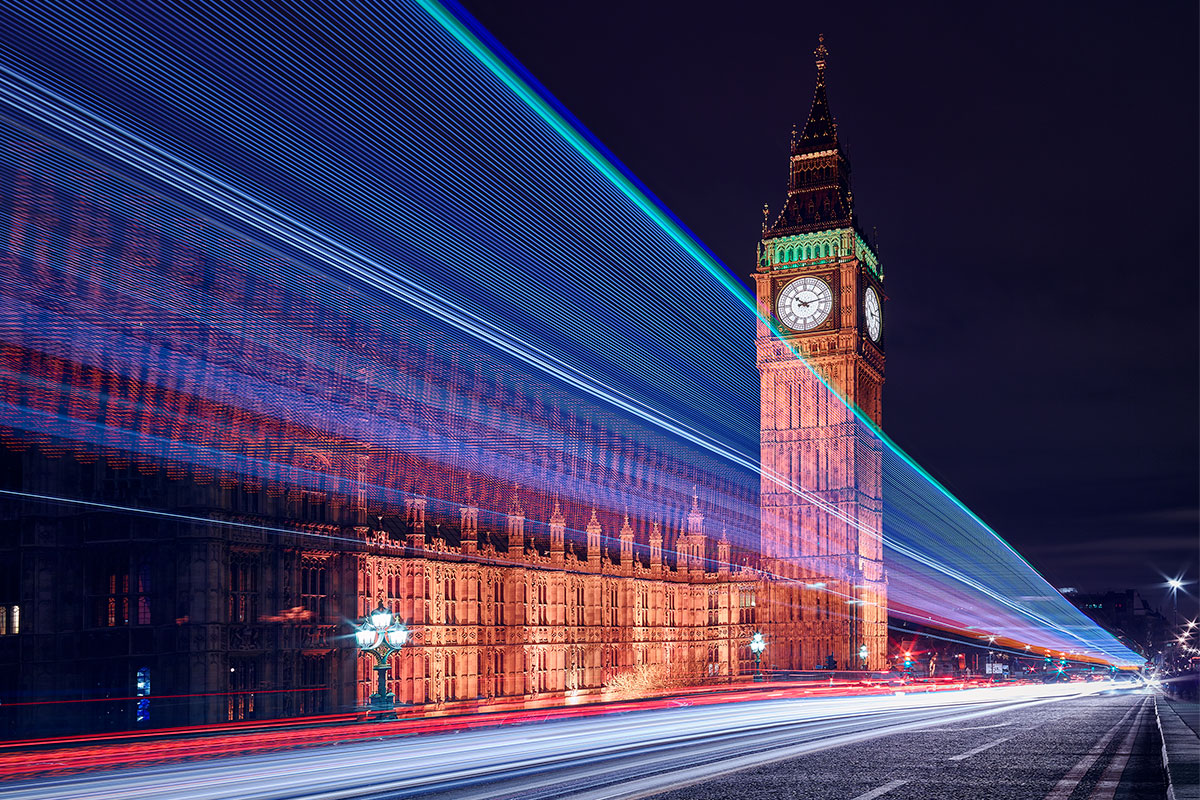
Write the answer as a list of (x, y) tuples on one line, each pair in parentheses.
[(143, 693)]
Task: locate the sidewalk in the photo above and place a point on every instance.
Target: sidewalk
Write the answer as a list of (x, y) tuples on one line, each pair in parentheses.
[(1189, 711), (1180, 747)]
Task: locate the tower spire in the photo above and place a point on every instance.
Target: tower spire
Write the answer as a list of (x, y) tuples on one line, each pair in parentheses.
[(819, 197), (820, 130)]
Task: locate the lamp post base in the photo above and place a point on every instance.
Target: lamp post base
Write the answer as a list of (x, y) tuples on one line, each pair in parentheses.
[(383, 702)]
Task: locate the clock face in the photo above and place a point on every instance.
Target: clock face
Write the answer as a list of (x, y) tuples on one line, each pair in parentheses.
[(873, 313), (805, 303)]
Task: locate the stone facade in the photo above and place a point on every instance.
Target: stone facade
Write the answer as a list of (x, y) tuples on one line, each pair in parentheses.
[(821, 489), (548, 624)]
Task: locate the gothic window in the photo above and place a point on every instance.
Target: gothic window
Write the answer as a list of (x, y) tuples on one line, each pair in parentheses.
[(243, 590), (242, 682), (580, 613), (747, 610), (142, 678), (428, 680), (451, 595), (541, 611), (119, 596), (791, 256), (450, 689), (827, 250), (500, 613), (314, 678)]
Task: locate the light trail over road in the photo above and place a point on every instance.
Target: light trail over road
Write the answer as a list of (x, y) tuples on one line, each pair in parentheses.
[(623, 755)]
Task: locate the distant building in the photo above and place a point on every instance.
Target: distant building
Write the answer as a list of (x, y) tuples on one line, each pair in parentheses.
[(1126, 614)]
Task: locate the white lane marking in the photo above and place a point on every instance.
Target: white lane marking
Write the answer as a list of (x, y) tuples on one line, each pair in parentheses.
[(1106, 787), (882, 790), (979, 749), (1065, 787)]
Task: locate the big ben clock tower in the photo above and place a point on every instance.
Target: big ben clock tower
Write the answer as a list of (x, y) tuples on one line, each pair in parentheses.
[(820, 283)]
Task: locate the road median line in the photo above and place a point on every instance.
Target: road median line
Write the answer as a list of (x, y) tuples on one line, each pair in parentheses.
[(979, 749), (881, 791)]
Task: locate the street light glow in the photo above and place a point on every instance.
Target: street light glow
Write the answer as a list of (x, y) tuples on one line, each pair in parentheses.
[(381, 618)]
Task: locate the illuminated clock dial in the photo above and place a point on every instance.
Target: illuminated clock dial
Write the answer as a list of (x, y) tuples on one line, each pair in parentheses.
[(873, 313), (805, 303)]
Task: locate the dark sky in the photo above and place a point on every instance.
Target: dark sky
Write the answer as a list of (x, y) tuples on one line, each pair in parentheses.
[(1032, 172)]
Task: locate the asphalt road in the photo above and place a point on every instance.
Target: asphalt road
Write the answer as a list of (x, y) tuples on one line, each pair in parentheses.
[(1017, 742), (1103, 747)]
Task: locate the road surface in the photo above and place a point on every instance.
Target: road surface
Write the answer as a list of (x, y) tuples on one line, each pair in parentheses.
[(1063, 742)]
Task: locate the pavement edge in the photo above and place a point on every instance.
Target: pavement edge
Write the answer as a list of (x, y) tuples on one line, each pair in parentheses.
[(1179, 787)]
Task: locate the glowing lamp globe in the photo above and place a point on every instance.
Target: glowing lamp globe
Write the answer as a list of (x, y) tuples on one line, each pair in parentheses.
[(367, 638), (396, 637), (758, 643), (381, 618)]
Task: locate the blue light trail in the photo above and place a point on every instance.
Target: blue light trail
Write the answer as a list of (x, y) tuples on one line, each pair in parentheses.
[(252, 246)]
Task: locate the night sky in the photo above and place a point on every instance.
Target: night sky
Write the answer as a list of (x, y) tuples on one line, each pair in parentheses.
[(1032, 173)]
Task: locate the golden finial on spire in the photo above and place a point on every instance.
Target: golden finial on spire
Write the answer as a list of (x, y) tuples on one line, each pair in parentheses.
[(821, 54)]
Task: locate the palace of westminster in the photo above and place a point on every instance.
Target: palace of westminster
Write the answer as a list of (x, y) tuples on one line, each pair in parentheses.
[(158, 621)]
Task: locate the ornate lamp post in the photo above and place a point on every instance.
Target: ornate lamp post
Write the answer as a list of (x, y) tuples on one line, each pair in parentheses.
[(380, 634), (757, 645), (863, 652)]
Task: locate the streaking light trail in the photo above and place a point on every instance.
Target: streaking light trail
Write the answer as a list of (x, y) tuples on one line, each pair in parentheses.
[(319, 263)]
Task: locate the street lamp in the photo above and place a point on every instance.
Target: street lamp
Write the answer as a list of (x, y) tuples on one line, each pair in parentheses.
[(757, 645), (863, 652), (1174, 584), (380, 634)]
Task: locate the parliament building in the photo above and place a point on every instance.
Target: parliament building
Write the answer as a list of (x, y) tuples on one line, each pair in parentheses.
[(217, 611)]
